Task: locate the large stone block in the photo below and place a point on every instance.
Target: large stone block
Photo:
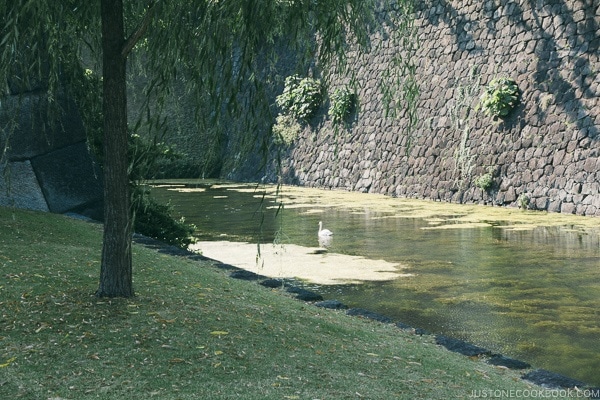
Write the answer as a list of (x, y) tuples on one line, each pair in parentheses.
[(68, 178), (19, 187), (25, 129)]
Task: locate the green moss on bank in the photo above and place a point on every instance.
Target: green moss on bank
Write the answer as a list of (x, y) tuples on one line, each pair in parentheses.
[(192, 333)]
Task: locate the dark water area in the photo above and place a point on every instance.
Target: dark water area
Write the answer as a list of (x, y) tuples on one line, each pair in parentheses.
[(531, 294)]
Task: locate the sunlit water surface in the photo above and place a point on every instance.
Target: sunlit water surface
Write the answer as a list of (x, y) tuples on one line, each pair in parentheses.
[(532, 294)]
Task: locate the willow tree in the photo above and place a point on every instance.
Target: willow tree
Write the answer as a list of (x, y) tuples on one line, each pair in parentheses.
[(218, 46)]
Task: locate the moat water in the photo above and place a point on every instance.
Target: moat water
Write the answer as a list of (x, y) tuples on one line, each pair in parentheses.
[(527, 290)]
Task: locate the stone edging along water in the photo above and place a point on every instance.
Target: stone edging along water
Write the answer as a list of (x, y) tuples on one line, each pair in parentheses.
[(544, 378)]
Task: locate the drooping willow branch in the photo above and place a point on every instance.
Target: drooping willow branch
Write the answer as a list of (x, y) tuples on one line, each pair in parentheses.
[(137, 34)]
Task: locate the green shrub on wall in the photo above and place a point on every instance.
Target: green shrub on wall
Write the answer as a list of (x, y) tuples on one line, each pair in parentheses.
[(500, 96), (343, 104), (301, 97), (523, 201), (300, 100), (286, 130), (485, 181)]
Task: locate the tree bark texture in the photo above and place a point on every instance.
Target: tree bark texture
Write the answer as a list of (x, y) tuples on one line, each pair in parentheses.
[(116, 267)]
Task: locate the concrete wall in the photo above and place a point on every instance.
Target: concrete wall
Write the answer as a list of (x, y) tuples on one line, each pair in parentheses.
[(548, 149)]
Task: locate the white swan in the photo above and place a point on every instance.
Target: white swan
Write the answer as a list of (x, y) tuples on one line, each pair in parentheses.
[(324, 232)]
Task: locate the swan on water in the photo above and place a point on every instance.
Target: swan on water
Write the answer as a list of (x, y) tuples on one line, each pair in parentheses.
[(324, 232)]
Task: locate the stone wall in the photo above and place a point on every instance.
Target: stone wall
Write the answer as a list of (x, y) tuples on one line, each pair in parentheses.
[(547, 150), (45, 166)]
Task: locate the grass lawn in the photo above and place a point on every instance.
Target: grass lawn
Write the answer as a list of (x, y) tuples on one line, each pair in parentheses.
[(194, 333)]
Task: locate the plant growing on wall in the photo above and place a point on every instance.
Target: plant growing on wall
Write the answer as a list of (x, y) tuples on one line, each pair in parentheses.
[(300, 100), (523, 201), (301, 97), (460, 112), (485, 181), (343, 104), (500, 96), (286, 130)]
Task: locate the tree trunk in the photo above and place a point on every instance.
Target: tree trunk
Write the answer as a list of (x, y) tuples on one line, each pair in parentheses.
[(116, 268)]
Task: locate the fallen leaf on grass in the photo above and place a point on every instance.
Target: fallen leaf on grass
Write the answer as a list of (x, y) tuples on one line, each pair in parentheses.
[(219, 333), (482, 373), (42, 327), (8, 362)]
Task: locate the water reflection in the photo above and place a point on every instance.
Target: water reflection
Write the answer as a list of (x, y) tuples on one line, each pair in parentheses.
[(530, 292)]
